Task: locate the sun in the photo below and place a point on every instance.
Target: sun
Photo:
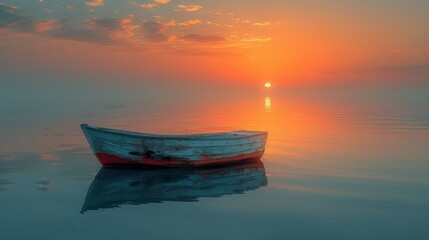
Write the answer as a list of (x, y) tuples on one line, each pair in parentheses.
[(267, 85)]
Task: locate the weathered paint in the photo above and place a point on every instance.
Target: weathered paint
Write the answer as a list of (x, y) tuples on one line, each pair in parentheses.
[(122, 147)]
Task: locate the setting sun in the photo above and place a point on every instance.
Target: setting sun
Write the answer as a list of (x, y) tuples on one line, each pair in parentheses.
[(267, 85)]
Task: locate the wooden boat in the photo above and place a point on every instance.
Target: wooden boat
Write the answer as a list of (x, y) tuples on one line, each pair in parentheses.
[(114, 187), (113, 147)]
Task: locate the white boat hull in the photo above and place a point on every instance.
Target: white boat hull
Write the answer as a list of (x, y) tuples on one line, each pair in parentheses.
[(122, 147)]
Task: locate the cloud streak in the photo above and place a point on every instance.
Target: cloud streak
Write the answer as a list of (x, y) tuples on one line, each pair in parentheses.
[(189, 7), (162, 1), (154, 31), (256, 39), (95, 3), (413, 70), (203, 38), (130, 31), (104, 31), (71, 7), (148, 5), (93, 33), (47, 25), (190, 22), (154, 4), (12, 18), (262, 24)]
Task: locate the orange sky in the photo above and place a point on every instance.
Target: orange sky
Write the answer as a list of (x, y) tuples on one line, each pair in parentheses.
[(286, 43)]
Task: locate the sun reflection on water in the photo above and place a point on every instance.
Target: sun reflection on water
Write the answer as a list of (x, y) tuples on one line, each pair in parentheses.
[(267, 103)]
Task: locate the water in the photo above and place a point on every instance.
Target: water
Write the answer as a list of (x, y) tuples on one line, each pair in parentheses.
[(338, 165)]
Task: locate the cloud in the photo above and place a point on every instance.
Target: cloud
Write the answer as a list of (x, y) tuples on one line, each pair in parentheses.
[(47, 25), (154, 4), (95, 3), (202, 53), (71, 7), (256, 39), (85, 35), (170, 23), (12, 18), (162, 1), (105, 31), (408, 50), (203, 38), (261, 24), (9, 6), (190, 22), (148, 5), (189, 7), (397, 71), (116, 31), (153, 31), (213, 23), (108, 23)]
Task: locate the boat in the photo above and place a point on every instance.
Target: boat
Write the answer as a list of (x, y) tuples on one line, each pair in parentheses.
[(114, 187), (118, 147)]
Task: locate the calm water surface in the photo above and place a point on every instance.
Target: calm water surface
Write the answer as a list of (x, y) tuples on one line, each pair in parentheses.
[(350, 167)]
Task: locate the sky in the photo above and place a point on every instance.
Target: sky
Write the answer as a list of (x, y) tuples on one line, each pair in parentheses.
[(249, 42)]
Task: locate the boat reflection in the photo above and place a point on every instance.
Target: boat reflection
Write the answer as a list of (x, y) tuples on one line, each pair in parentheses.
[(113, 187)]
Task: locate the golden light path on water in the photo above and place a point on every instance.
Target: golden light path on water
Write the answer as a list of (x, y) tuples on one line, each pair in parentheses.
[(267, 103)]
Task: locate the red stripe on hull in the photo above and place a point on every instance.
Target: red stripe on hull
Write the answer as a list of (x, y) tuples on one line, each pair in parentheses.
[(107, 159)]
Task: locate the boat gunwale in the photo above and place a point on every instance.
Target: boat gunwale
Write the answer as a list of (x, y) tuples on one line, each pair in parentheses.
[(103, 139), (199, 137)]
